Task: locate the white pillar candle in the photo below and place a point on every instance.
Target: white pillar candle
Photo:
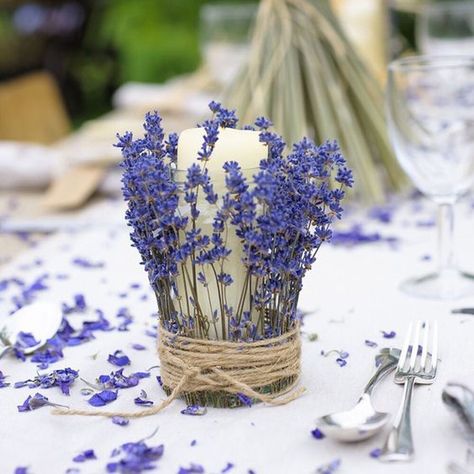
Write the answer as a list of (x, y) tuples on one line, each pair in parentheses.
[(244, 147)]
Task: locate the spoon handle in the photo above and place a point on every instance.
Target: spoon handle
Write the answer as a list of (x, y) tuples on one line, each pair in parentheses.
[(388, 364)]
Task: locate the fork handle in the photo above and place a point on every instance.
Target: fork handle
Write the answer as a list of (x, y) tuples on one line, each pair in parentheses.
[(399, 443)]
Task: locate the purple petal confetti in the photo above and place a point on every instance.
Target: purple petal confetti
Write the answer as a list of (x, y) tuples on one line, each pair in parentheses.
[(84, 263), (138, 347), (193, 442), (192, 469), (330, 468), (86, 455), (3, 384), (143, 402), (135, 458), (370, 343), (317, 434), (102, 398), (194, 410), (118, 379), (120, 420), (375, 453), (229, 466), (388, 335), (34, 402), (21, 470), (62, 378), (119, 359)]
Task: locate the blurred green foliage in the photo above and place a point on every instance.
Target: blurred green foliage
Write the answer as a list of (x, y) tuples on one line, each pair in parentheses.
[(153, 39)]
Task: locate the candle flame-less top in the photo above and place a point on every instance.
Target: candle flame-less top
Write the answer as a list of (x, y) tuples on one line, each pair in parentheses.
[(242, 146)]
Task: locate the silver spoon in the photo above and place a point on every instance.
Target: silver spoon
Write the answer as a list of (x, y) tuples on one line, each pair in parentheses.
[(42, 320), (362, 421)]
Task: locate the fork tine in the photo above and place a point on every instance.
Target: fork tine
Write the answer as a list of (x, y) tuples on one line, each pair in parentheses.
[(434, 350), (414, 345), (424, 352), (403, 356)]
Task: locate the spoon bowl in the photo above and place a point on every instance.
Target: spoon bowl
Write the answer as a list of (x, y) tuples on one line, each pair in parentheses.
[(42, 320), (357, 424)]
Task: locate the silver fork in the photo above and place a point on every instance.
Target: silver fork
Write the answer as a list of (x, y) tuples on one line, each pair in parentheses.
[(412, 368)]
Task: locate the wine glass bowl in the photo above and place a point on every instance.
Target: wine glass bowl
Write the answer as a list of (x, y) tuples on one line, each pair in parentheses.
[(430, 105)]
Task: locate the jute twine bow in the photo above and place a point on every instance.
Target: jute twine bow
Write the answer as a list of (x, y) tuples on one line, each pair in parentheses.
[(194, 365)]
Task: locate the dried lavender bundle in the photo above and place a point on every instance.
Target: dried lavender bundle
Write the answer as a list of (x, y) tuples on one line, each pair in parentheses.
[(303, 72)]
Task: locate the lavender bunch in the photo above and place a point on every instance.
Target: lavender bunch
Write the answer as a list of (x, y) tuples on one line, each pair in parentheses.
[(280, 217)]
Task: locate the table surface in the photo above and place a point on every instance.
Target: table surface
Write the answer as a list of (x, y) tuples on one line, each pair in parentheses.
[(350, 295)]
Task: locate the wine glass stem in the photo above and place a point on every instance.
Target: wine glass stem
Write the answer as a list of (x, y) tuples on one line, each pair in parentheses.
[(445, 237)]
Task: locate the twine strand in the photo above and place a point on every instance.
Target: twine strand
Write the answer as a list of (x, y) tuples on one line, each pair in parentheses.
[(193, 365)]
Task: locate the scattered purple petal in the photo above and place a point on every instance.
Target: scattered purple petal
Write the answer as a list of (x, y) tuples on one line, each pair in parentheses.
[(120, 420), (102, 398), (136, 457), (62, 378), (317, 434), (341, 362), (138, 347), (119, 359), (227, 468), (193, 442), (3, 384), (143, 402), (388, 335), (118, 379), (370, 343), (84, 263), (375, 453), (330, 468), (34, 402), (194, 410), (21, 470), (192, 469), (86, 455)]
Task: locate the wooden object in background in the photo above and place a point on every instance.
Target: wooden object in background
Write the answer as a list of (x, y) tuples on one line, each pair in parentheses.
[(74, 187), (32, 110)]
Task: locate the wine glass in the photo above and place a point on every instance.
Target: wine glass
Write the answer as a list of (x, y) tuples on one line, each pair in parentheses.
[(446, 28), (430, 104)]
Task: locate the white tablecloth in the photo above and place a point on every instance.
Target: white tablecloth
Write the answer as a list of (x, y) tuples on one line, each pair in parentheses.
[(351, 295)]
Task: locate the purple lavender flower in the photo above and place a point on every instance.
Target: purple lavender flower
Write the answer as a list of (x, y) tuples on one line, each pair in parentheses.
[(86, 455), (119, 359), (281, 215), (244, 399), (135, 458)]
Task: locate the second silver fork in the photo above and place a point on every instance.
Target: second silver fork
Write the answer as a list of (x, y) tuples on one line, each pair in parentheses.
[(416, 365)]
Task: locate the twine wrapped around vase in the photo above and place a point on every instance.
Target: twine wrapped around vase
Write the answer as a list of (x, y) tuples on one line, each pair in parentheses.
[(267, 370)]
